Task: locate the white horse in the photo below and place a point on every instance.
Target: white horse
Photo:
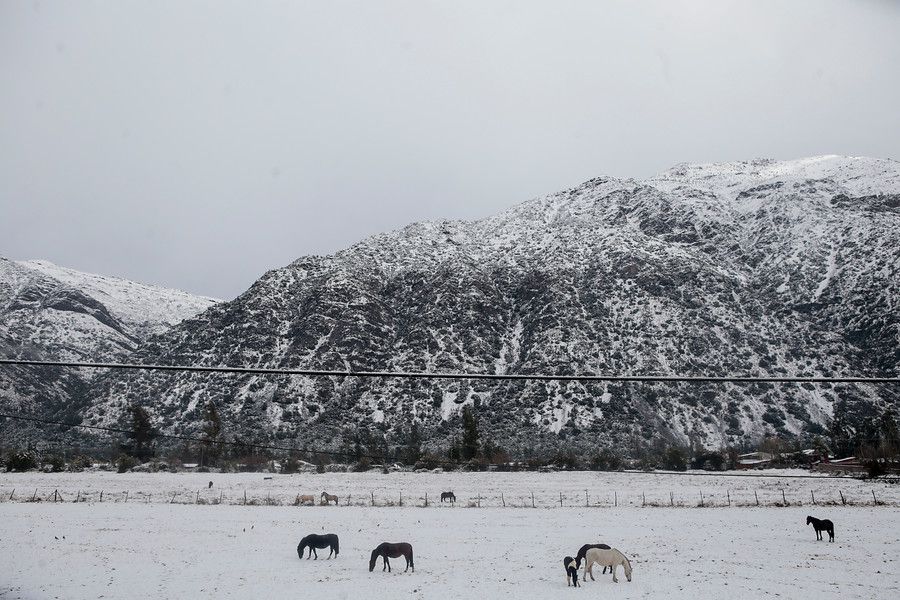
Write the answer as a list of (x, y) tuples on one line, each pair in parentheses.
[(606, 558)]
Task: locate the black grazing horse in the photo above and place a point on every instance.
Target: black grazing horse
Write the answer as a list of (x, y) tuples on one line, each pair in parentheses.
[(583, 550), (448, 496), (386, 550), (571, 571), (821, 525), (313, 541)]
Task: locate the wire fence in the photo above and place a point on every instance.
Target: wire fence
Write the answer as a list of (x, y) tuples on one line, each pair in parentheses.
[(714, 498)]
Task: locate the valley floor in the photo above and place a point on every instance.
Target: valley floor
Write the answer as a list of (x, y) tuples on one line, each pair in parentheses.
[(161, 543)]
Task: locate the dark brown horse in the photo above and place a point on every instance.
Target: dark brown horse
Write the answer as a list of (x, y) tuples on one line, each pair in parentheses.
[(387, 550), (313, 541), (821, 525), (448, 496), (583, 550)]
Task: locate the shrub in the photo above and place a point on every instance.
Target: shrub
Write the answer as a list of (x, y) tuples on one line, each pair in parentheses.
[(80, 463), (125, 462), (675, 459), (21, 460), (53, 463)]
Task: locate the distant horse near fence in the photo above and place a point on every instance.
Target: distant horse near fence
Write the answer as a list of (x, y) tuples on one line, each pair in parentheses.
[(448, 496), (821, 525), (387, 550), (313, 541), (327, 498), (306, 499)]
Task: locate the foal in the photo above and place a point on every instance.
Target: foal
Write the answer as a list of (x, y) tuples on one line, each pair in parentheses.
[(821, 525), (571, 571)]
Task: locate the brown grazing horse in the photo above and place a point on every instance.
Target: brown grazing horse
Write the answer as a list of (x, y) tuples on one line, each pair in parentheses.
[(328, 498), (387, 550)]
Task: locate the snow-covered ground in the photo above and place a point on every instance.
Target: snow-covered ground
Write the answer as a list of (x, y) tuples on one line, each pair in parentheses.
[(139, 549), (490, 489)]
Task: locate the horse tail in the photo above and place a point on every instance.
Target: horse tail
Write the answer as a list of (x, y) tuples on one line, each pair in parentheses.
[(337, 546)]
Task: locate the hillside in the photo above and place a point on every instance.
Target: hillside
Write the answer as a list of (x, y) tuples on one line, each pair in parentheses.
[(49, 312), (759, 267)]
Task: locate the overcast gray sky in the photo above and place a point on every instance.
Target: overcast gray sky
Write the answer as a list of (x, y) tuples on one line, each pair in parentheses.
[(198, 144)]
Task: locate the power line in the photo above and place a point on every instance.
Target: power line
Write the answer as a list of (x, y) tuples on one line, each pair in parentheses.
[(382, 458), (428, 375)]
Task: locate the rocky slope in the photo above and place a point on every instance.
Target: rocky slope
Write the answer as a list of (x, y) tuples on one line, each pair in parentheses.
[(48, 312), (759, 267)]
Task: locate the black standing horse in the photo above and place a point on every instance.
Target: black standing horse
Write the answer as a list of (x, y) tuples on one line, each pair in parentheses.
[(313, 541), (821, 525), (448, 496), (386, 550), (583, 550)]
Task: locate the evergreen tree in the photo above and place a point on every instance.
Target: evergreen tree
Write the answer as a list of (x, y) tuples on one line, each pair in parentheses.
[(413, 450), (139, 440), (470, 434), (840, 431), (212, 429)]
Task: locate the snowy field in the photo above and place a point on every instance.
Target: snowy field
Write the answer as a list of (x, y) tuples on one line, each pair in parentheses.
[(147, 547), (487, 489)]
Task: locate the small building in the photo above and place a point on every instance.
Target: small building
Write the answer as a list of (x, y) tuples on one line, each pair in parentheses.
[(754, 460)]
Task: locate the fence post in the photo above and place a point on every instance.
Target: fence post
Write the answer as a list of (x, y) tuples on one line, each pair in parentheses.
[(844, 502), (671, 499), (197, 501), (813, 494), (756, 496), (220, 497), (78, 497), (245, 496), (55, 494), (874, 499), (373, 498), (728, 494), (643, 499), (172, 501), (401, 497), (13, 493), (126, 495), (532, 500), (615, 498), (784, 498), (34, 495), (348, 499), (560, 500), (586, 504), (101, 495), (502, 499), (701, 498), (426, 499)]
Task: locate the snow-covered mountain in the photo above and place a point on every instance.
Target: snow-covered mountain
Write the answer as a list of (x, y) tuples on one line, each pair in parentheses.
[(759, 267), (50, 312)]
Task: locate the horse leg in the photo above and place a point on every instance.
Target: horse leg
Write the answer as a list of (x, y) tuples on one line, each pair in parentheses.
[(386, 564), (310, 553), (588, 570), (614, 567), (316, 553)]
